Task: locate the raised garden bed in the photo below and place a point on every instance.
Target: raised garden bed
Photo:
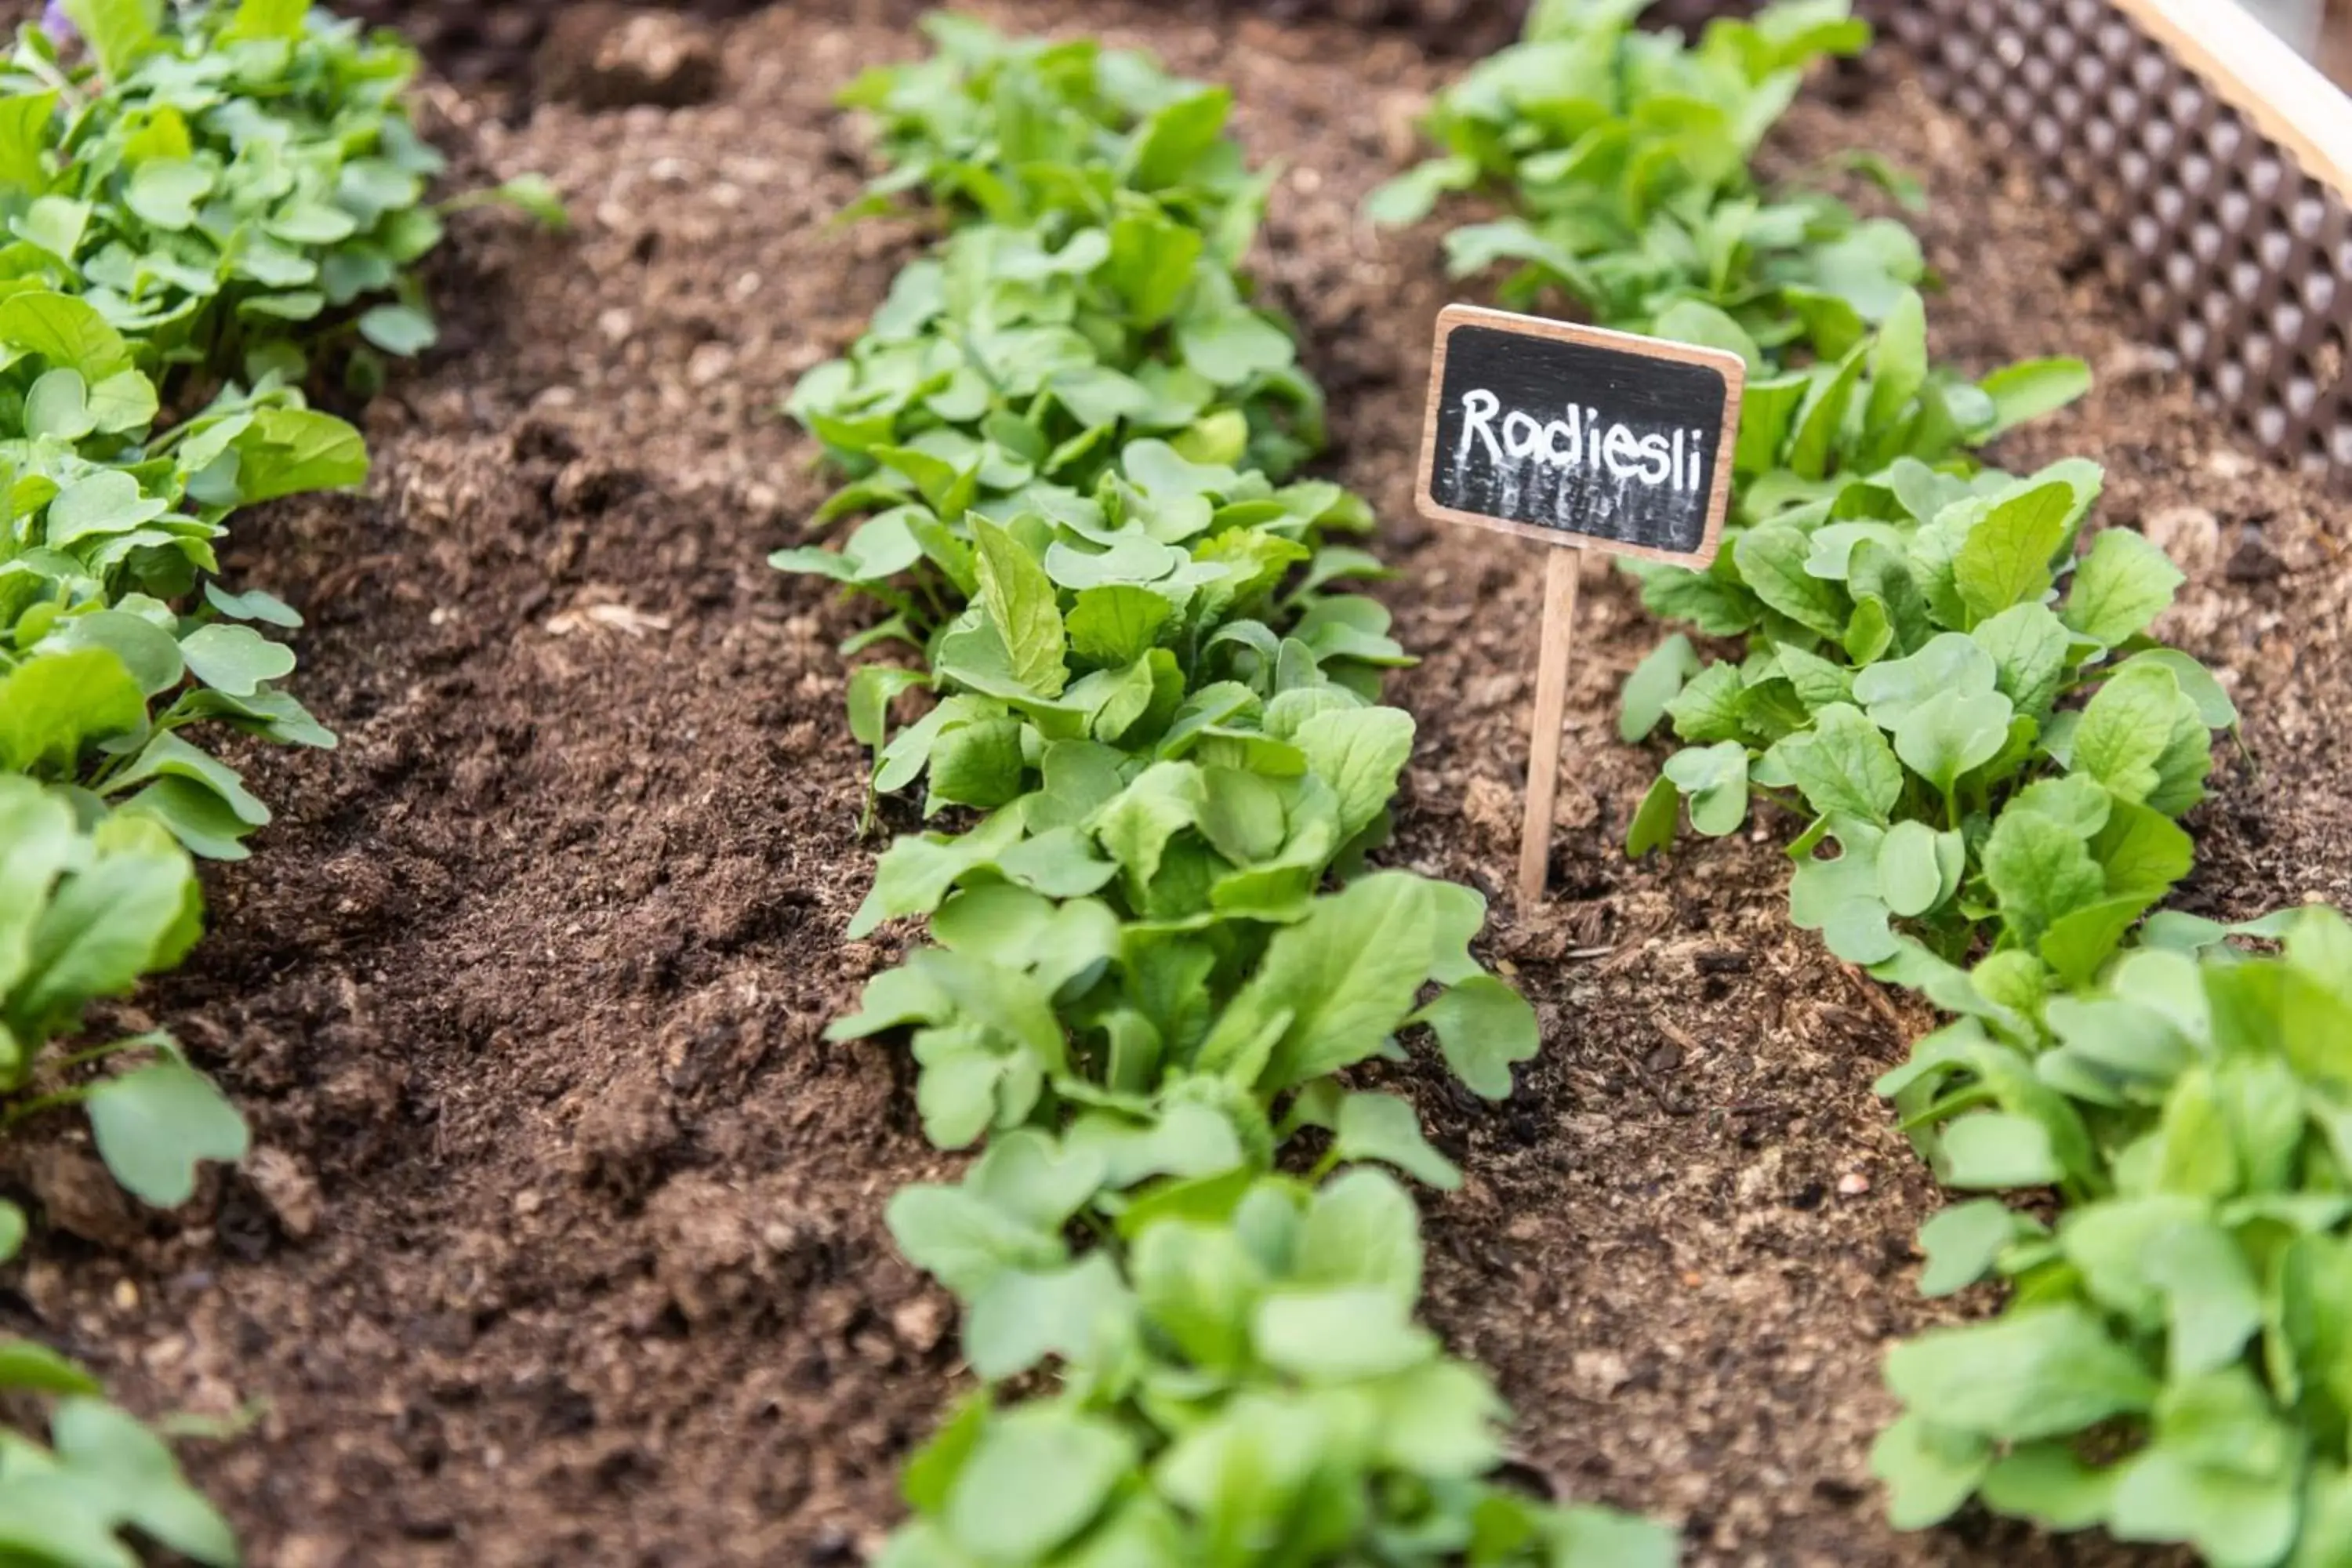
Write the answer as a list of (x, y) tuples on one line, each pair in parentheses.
[(563, 1240)]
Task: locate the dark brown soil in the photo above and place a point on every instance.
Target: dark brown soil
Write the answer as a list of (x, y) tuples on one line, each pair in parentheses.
[(562, 1245)]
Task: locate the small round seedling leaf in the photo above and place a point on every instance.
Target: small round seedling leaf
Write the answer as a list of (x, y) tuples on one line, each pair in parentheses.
[(1385, 1127), (1961, 1243), (1951, 662), (235, 658), (1483, 1027), (146, 650), (164, 190), (399, 329), (1947, 735), (1033, 1480), (107, 501), (58, 406), (1361, 1229), (143, 1481), (1340, 1335), (1910, 870), (1716, 779), (1994, 1149), (1656, 682), (12, 1227), (155, 1124), (2039, 1372), (1929, 1470), (1857, 931)]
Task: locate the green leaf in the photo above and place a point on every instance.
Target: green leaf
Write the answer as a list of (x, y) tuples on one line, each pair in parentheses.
[(1360, 754), (1385, 1127), (1950, 664), (1176, 137), (1652, 826), (54, 705), (104, 502), (1036, 1476), (1716, 779), (164, 192), (119, 31), (1993, 1149), (2007, 557), (34, 1368), (2028, 389), (2051, 1485), (1962, 1242), (534, 195), (141, 1480), (1023, 1318), (2214, 709), (1708, 708), (1929, 1469), (1022, 606), (1361, 1229), (2028, 647), (1772, 561), (12, 1239), (153, 1127), (68, 332), (58, 406), (2039, 870), (1414, 194), (1339, 1335), (24, 119), (1484, 1028), (1346, 976), (1117, 623), (1697, 322), (1151, 262), (977, 766), (2042, 1372), (400, 329), (1844, 765), (291, 451), (122, 403), (2126, 728), (1656, 682), (1231, 346), (268, 19), (1911, 868), (962, 1240), (2120, 588), (1950, 734), (235, 658)]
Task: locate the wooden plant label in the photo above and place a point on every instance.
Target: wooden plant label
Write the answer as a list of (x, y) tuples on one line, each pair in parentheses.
[(1577, 435), (1574, 435)]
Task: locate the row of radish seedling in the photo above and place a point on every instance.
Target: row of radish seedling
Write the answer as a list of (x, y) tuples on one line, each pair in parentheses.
[(1984, 751), (1157, 725), (195, 205)]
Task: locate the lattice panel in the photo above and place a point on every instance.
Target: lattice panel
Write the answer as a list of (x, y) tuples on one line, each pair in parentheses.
[(2238, 260)]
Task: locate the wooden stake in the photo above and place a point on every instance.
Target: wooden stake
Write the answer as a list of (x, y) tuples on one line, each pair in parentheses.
[(1562, 573)]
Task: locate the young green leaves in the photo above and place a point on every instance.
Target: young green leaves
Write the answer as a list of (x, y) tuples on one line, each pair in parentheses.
[(222, 182), (1068, 430), (2170, 1365)]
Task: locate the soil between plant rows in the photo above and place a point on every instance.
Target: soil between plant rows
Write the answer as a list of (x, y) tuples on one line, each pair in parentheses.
[(563, 1242)]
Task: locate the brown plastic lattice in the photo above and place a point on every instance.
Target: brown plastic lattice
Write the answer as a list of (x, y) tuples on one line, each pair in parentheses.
[(2237, 258)]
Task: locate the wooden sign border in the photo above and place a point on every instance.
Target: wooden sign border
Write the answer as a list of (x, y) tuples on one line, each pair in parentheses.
[(1718, 506)]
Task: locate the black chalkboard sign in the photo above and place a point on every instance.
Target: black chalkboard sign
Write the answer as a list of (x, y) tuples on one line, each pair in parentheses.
[(1577, 435)]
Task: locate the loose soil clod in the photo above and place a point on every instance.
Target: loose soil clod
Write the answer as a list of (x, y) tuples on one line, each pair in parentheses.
[(525, 995)]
